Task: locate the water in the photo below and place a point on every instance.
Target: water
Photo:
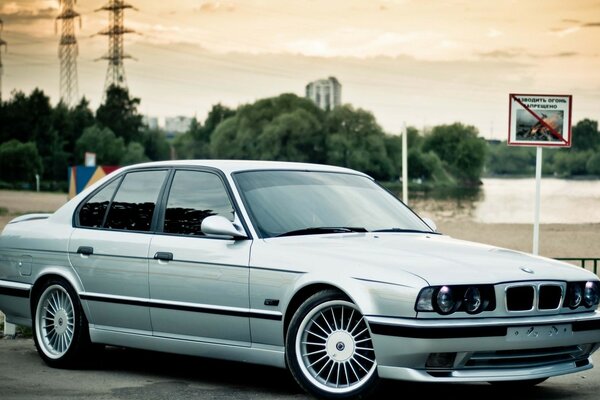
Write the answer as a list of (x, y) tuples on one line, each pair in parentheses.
[(562, 201), (510, 200)]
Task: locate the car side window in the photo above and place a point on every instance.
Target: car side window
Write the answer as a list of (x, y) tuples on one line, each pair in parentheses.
[(92, 213), (133, 206), (195, 195)]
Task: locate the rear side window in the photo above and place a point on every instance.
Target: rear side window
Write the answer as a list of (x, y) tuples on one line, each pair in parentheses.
[(93, 211), (133, 206), (195, 195)]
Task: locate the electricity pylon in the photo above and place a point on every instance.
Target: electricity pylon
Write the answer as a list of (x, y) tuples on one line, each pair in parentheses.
[(68, 52), (115, 74), (2, 43)]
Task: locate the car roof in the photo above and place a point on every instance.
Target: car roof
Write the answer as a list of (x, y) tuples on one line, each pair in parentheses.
[(232, 166)]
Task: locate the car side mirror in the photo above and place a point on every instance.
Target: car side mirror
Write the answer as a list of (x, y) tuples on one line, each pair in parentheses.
[(430, 224), (219, 225)]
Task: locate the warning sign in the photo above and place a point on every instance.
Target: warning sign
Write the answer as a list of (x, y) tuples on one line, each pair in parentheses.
[(539, 120)]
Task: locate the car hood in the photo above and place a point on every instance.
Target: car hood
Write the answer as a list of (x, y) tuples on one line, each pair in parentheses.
[(437, 259)]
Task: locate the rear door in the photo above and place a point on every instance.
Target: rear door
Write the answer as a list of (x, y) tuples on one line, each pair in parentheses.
[(198, 284), (109, 250)]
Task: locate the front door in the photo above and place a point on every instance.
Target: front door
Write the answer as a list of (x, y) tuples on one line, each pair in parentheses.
[(198, 284)]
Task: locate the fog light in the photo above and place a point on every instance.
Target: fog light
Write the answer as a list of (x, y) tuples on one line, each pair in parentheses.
[(591, 295), (445, 300), (440, 360)]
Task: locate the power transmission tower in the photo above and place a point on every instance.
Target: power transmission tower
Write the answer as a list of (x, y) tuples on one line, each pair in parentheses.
[(67, 52), (2, 43), (115, 74)]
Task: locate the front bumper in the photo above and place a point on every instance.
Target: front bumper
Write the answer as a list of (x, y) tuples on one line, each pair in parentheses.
[(491, 349)]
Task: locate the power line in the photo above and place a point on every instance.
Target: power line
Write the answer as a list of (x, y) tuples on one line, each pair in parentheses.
[(67, 52), (115, 74)]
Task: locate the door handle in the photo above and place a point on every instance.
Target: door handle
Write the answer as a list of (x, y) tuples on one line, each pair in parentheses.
[(163, 255), (85, 250)]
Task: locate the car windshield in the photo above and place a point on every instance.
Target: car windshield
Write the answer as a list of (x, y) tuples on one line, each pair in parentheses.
[(285, 203)]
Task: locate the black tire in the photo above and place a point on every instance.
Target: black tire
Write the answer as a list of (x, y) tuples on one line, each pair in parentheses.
[(60, 329), (338, 360)]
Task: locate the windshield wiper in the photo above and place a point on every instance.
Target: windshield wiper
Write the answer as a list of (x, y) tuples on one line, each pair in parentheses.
[(402, 230), (323, 229)]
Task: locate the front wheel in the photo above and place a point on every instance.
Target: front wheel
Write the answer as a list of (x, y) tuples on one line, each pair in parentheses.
[(61, 332), (329, 350)]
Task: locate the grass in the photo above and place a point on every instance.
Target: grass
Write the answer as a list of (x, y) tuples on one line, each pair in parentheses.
[(3, 211)]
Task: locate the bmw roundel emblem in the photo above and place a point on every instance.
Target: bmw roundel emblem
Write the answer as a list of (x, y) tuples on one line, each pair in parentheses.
[(528, 270)]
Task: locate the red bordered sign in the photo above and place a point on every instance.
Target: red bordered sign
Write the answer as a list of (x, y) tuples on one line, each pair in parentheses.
[(539, 120)]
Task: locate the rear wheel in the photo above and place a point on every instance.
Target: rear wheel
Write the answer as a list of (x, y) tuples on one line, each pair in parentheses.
[(61, 331), (329, 348)]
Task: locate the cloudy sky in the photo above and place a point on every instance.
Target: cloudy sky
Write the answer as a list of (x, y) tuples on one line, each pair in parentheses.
[(414, 61)]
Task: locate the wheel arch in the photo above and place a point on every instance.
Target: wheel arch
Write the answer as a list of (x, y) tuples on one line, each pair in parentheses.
[(302, 295), (54, 273)]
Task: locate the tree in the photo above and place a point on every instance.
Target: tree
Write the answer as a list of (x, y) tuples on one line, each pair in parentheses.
[(593, 164), (458, 146), (19, 162), (237, 136), (355, 140), (585, 135), (134, 153), (119, 114), (109, 149), (155, 145), (293, 136)]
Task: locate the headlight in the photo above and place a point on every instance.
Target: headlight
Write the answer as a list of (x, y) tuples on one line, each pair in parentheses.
[(575, 295), (472, 300), (445, 301), (591, 295)]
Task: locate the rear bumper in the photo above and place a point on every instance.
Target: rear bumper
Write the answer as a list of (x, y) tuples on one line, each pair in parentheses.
[(485, 350), (14, 302)]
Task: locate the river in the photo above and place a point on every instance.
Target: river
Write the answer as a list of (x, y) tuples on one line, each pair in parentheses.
[(511, 200)]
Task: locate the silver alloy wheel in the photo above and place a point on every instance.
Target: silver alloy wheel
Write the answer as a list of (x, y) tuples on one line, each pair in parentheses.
[(55, 321), (334, 347)]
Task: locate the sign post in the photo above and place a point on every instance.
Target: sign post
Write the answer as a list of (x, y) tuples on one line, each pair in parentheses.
[(405, 165), (540, 121)]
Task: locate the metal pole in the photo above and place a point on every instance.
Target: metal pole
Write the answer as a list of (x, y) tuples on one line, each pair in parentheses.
[(404, 165), (538, 184)]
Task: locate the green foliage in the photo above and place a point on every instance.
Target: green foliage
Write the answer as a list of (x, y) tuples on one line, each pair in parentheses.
[(119, 114), (585, 135), (155, 144), (593, 164), (109, 149), (572, 163), (355, 140), (293, 136), (19, 162), (459, 148), (195, 144), (510, 160), (237, 137), (134, 153)]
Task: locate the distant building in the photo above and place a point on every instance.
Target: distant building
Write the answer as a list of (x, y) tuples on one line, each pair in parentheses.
[(150, 122), (325, 93), (177, 125)]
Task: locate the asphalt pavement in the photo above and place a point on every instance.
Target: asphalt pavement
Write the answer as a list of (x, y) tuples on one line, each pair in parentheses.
[(132, 374)]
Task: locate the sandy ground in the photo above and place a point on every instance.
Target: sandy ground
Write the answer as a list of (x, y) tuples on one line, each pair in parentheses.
[(454, 219)]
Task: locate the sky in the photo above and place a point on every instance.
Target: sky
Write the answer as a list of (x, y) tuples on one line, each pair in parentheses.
[(414, 62)]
